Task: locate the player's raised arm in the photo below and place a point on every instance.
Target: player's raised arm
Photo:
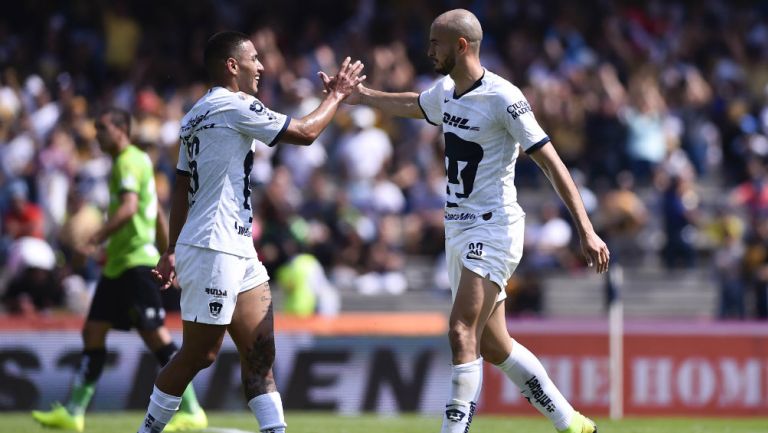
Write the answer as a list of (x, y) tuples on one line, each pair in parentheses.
[(593, 248), (305, 130), (404, 104)]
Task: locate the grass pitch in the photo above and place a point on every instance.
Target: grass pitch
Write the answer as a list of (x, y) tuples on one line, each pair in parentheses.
[(302, 422)]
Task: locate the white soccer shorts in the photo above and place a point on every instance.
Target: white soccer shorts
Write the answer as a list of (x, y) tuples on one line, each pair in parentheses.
[(490, 248), (211, 280)]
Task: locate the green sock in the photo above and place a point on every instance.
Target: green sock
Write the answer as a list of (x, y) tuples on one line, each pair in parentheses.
[(189, 402), (80, 397)]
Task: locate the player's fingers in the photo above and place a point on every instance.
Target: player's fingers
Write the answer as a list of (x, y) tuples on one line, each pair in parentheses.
[(344, 64), (358, 67), (606, 258), (601, 262), (354, 69), (360, 79), (324, 78), (156, 275)]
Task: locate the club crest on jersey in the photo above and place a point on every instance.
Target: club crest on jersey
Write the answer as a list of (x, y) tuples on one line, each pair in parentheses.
[(215, 308), (519, 108), (458, 122)]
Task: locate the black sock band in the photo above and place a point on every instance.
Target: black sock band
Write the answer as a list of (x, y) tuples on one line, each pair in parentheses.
[(92, 364), (165, 353)]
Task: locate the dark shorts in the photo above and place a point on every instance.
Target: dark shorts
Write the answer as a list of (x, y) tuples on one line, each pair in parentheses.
[(131, 300)]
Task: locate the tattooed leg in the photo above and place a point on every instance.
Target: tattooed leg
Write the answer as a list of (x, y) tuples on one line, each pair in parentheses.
[(252, 330)]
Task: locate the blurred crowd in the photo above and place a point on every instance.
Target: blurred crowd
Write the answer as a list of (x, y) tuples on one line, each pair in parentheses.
[(658, 107)]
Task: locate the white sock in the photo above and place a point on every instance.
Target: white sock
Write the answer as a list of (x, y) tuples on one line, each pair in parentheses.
[(526, 371), (162, 406), (268, 410), (466, 381)]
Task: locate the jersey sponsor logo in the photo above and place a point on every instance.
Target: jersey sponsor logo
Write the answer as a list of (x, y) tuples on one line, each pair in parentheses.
[(217, 293), (215, 308), (519, 108), (464, 216), (445, 100), (242, 230), (195, 121), (459, 122)]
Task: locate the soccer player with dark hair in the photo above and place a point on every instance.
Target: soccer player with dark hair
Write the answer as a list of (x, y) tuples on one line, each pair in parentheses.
[(127, 295), (486, 120), (211, 254)]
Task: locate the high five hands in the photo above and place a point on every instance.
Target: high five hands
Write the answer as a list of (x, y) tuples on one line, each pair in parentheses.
[(345, 82)]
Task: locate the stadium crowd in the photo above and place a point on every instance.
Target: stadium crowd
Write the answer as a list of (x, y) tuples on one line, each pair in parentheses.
[(658, 107)]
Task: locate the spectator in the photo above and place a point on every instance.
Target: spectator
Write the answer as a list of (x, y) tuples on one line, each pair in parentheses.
[(34, 286), (680, 207), (24, 218)]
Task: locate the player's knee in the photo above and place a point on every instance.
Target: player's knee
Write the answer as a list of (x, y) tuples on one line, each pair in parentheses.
[(204, 360), (461, 337), (197, 360)]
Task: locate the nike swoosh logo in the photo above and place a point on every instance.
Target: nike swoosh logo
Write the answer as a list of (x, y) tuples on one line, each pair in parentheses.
[(445, 101)]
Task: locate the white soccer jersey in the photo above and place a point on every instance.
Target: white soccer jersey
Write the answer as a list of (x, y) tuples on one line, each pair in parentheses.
[(483, 128), (217, 147)]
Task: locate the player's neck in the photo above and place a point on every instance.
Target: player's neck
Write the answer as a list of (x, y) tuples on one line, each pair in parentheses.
[(229, 85), (120, 148), (466, 75)]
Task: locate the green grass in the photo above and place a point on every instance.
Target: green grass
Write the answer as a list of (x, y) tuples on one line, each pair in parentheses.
[(301, 422)]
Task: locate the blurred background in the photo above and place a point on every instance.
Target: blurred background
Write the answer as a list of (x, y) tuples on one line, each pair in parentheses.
[(659, 108)]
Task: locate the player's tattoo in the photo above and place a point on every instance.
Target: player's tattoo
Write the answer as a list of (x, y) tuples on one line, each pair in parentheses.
[(266, 299), (257, 372)]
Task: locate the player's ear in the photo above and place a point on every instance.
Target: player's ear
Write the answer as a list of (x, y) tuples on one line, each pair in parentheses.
[(232, 65), (463, 45)]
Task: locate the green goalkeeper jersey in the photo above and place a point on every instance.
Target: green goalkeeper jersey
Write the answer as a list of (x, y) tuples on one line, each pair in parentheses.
[(134, 243)]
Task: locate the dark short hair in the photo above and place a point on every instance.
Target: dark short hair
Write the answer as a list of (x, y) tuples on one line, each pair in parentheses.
[(119, 117), (219, 48)]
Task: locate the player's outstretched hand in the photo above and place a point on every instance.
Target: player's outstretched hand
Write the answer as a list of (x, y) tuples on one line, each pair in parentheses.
[(165, 271), (596, 252), (346, 82)]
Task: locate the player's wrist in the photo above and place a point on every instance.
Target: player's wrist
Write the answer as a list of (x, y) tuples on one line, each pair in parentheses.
[(171, 249), (336, 96)]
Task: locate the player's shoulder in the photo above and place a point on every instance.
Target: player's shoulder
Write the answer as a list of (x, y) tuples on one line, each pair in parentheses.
[(501, 87), (444, 84), (133, 155)]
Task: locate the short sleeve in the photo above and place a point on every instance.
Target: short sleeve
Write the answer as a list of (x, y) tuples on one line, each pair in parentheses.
[(431, 104), (518, 119), (253, 119), (182, 165), (127, 175)]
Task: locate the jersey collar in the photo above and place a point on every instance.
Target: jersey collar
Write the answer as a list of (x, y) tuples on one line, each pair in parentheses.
[(474, 86)]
